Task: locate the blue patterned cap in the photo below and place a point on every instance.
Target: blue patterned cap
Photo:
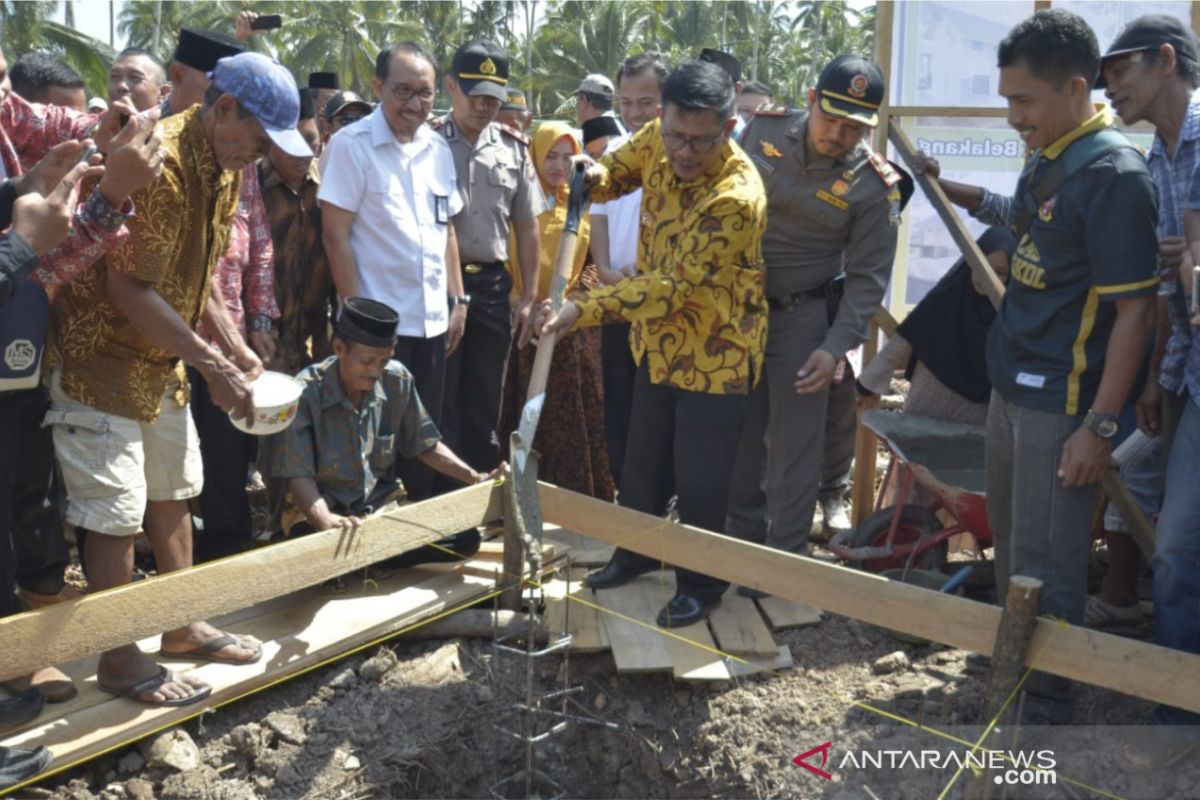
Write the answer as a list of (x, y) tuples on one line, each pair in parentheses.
[(268, 91)]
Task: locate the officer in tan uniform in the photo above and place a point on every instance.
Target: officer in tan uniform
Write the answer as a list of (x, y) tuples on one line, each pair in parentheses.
[(499, 189), (832, 204)]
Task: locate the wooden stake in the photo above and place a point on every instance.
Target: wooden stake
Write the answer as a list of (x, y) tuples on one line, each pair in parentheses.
[(862, 494), (1017, 623)]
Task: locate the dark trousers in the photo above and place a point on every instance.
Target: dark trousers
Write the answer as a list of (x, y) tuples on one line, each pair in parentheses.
[(426, 360), (680, 443), (475, 373), (227, 454), (619, 369), (33, 549)]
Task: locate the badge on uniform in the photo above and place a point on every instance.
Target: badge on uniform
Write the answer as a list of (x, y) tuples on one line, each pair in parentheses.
[(833, 200), (848, 175), (840, 188), (771, 151), (441, 209), (894, 212), (1046, 212), (766, 166)]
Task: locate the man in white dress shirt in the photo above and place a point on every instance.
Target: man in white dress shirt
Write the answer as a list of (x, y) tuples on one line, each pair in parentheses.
[(388, 194)]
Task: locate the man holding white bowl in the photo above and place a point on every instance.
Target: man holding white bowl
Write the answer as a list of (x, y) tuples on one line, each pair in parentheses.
[(359, 414)]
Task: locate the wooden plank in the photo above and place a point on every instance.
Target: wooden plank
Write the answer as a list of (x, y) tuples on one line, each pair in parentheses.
[(312, 628), (886, 322), (692, 656), (979, 265), (636, 648), (1135, 668), (739, 628), (757, 664), (67, 631), (582, 619), (783, 613)]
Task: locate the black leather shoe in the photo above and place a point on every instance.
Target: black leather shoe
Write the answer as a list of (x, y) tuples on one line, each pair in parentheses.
[(610, 575), (753, 594), (683, 610), (21, 708)]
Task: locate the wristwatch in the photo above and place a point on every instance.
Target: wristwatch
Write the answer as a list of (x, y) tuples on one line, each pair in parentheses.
[(461, 300), (1103, 425), (261, 323)]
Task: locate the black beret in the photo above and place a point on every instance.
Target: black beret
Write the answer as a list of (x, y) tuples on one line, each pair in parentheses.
[(323, 80), (599, 127), (368, 322), (202, 50)]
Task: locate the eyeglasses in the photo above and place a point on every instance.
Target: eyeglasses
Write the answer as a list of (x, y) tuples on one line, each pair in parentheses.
[(699, 144), (347, 119), (405, 95)]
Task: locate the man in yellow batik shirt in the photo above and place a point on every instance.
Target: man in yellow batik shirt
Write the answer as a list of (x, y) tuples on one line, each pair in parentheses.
[(698, 313)]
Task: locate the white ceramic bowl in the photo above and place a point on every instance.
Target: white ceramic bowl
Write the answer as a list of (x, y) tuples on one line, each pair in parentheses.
[(276, 397)]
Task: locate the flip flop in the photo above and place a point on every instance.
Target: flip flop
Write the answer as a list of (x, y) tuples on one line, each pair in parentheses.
[(1099, 613), (57, 689), (152, 683), (208, 652)]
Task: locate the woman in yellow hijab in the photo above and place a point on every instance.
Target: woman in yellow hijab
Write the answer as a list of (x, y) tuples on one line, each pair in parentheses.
[(570, 437)]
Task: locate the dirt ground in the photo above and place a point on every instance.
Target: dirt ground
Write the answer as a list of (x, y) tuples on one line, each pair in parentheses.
[(419, 719)]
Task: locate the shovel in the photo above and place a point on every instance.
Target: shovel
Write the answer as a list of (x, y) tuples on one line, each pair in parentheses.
[(524, 506)]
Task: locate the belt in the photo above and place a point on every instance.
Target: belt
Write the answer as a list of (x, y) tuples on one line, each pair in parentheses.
[(476, 267), (787, 302)]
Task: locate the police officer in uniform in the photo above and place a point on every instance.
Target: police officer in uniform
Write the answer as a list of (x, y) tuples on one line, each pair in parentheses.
[(832, 203), (499, 190)]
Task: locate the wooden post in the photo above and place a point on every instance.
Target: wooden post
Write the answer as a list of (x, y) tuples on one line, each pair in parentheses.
[(862, 495), (1017, 623)]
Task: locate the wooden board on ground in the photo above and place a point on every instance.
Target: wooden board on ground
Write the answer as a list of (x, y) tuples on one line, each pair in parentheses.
[(578, 617), (783, 613), (739, 629), (694, 655), (637, 647), (754, 665), (305, 631)]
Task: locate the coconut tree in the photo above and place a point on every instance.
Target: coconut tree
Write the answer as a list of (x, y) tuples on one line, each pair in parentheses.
[(578, 38), (27, 26)]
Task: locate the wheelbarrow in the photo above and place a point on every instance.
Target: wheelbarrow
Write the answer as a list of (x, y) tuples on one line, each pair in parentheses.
[(938, 467)]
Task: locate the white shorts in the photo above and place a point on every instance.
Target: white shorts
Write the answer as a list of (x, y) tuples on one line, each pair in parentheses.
[(113, 465)]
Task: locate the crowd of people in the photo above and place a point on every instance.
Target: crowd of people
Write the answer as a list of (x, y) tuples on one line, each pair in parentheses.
[(211, 219)]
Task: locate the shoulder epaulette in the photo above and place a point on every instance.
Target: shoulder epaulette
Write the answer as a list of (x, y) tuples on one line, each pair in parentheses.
[(773, 110), (886, 172), (513, 133)]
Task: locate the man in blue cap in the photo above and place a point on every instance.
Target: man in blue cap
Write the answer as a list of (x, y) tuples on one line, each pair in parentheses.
[(122, 432)]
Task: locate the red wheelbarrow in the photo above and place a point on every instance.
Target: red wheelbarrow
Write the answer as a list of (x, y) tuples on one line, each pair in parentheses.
[(938, 467)]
